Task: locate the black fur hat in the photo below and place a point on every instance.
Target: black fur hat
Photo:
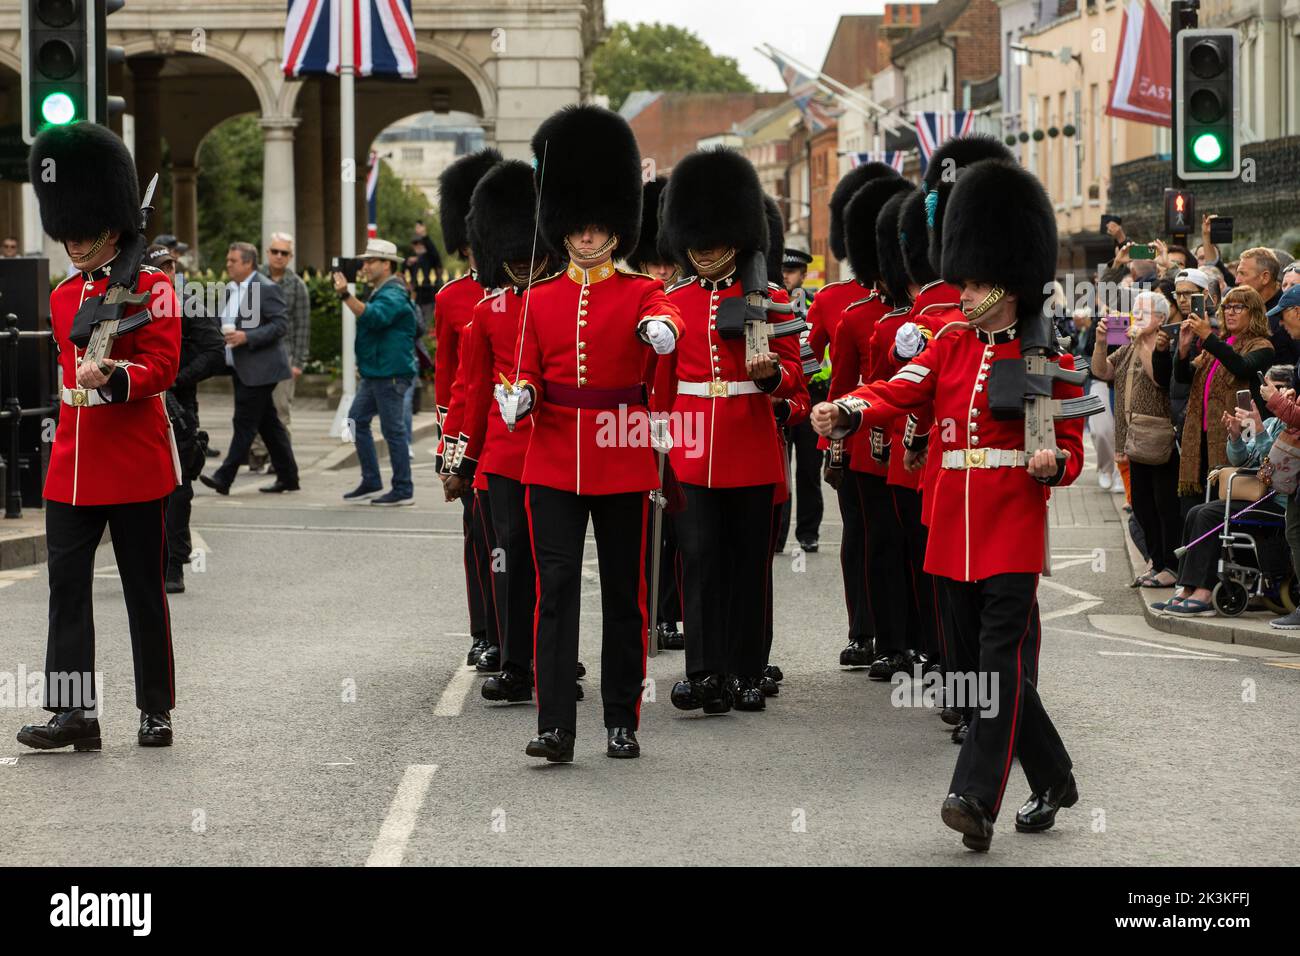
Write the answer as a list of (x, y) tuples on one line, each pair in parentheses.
[(647, 247), (860, 217), (713, 199), (889, 253), (500, 222), (85, 182), (850, 183), (947, 163), (1021, 257), (455, 187), (775, 241), (914, 239), (589, 173)]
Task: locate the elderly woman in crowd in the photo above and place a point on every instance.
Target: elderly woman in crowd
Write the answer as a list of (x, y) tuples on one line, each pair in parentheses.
[(1249, 441), (1153, 481), (1235, 352)]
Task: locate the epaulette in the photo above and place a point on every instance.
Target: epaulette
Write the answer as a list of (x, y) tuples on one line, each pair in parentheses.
[(490, 294), (958, 326), (864, 301), (550, 278), (939, 305), (448, 285), (145, 268), (75, 275), (633, 272), (836, 282), (680, 283), (901, 310)]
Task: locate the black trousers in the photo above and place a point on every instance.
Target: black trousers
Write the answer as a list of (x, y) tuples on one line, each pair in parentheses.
[(725, 538), (921, 629), (996, 623), (179, 544), (255, 415), (558, 522), (853, 559), (1156, 508), (884, 544), (483, 623), (808, 505), (513, 574), (73, 532), (767, 608)]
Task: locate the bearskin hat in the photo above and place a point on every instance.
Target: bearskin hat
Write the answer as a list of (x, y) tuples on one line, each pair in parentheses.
[(850, 183), (713, 200), (455, 187), (914, 239), (1021, 253), (647, 247), (775, 241), (500, 222), (860, 217), (889, 252), (947, 163), (85, 182), (589, 173)]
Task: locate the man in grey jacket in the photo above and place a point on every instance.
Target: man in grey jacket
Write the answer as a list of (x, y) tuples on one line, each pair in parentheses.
[(254, 323), (297, 304)]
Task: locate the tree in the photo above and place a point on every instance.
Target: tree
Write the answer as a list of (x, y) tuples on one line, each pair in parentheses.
[(661, 57), (230, 188)]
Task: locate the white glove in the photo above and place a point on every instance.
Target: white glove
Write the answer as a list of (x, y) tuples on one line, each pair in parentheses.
[(660, 336), (525, 400), (661, 440), (908, 341)]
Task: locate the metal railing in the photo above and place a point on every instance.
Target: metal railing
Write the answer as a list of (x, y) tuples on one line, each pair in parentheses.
[(12, 412)]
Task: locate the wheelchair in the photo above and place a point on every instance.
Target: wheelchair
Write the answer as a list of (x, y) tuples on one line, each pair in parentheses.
[(1254, 563)]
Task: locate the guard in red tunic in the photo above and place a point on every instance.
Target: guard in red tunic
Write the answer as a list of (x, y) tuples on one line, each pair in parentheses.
[(113, 462), (584, 340), (987, 540), (453, 309), (726, 452), (823, 320), (490, 456)]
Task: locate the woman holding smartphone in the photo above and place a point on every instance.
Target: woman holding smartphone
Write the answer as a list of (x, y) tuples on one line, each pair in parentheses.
[(1142, 403), (1232, 358)]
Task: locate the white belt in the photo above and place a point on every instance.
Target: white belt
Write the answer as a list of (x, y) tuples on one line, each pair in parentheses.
[(963, 458), (83, 397), (717, 389)]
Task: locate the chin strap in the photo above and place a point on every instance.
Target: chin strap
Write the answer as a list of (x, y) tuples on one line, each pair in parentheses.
[(719, 269), (996, 295), (93, 250), (594, 258)]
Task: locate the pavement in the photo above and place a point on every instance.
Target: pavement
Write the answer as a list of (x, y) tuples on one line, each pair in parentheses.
[(325, 716)]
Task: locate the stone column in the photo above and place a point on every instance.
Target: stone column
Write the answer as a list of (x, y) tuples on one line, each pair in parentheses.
[(277, 176), (309, 248), (185, 205), (148, 116)]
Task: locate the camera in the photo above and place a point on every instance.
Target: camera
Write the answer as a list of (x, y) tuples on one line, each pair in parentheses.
[(348, 265)]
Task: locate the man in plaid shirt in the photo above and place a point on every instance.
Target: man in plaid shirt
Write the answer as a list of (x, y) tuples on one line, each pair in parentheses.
[(297, 303)]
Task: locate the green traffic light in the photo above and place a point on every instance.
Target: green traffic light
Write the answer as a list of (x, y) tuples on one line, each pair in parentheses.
[(1207, 149), (58, 109)]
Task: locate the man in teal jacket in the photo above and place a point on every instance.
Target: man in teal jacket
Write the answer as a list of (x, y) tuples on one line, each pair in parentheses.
[(386, 331)]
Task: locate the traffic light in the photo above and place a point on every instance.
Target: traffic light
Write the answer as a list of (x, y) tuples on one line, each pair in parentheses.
[(64, 65), (1207, 103), (1180, 212)]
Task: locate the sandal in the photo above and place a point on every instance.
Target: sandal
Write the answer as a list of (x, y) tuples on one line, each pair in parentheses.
[(1192, 608), (1150, 580), (1166, 605)]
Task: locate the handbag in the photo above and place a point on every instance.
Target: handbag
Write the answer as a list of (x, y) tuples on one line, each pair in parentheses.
[(1148, 439), (1245, 488), (1283, 464)]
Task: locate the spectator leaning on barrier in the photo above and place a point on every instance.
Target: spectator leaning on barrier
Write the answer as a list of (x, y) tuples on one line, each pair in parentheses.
[(1283, 405), (1224, 367), (1144, 432)]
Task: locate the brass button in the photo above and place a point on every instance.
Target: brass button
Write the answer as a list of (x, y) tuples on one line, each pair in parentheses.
[(582, 356), (582, 323), (582, 381), (974, 440), (582, 311), (582, 345), (582, 368), (714, 347)]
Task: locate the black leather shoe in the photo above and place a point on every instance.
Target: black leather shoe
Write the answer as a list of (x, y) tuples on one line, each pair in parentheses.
[(857, 654), (1039, 812), (670, 639), (959, 732), (769, 687), (175, 582), (750, 697), (490, 660), (774, 672), (508, 686), (279, 487), (710, 694), (214, 485), (555, 745), (809, 547), (950, 716), (886, 665), (155, 729), (969, 817), (476, 650), (579, 692), (621, 742), (582, 670), (68, 727)]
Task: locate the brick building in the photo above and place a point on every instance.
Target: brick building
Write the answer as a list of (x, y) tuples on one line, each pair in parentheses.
[(669, 125), (954, 49)]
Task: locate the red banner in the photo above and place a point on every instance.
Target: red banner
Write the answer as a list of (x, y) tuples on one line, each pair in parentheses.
[(1142, 86)]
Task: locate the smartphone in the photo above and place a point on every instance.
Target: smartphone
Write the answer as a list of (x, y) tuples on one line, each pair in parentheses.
[(1107, 219), (1220, 229), (1171, 328), (1243, 399), (1117, 329), (1198, 304), (346, 265), (1141, 250)]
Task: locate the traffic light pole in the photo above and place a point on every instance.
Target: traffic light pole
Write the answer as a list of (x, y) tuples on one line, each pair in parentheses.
[(1182, 16)]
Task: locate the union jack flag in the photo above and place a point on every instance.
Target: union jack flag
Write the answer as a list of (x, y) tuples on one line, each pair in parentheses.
[(934, 129), (383, 38), (372, 197), (890, 157), (807, 95)]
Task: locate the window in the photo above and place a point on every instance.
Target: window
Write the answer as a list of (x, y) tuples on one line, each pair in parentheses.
[(1077, 143), (412, 154), (1094, 117)]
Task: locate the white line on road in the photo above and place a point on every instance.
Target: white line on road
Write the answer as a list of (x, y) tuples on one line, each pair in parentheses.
[(1078, 608), (1139, 643), (452, 701), (1064, 589), (1175, 657), (390, 845)]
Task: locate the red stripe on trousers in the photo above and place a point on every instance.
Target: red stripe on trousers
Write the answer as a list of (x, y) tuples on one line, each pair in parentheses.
[(641, 602), (537, 584)]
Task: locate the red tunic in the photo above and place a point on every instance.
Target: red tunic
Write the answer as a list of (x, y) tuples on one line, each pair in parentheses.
[(723, 442), (868, 450), (985, 521), (824, 314), (584, 331), (120, 452), (453, 308)]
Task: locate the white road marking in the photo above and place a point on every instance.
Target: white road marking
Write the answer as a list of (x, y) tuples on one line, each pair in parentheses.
[(452, 701), (197, 542), (1077, 608), (15, 575), (1175, 657), (390, 845), (1066, 589), (1138, 643)]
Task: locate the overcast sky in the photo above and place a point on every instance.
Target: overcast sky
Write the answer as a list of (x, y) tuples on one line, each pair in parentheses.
[(801, 28)]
